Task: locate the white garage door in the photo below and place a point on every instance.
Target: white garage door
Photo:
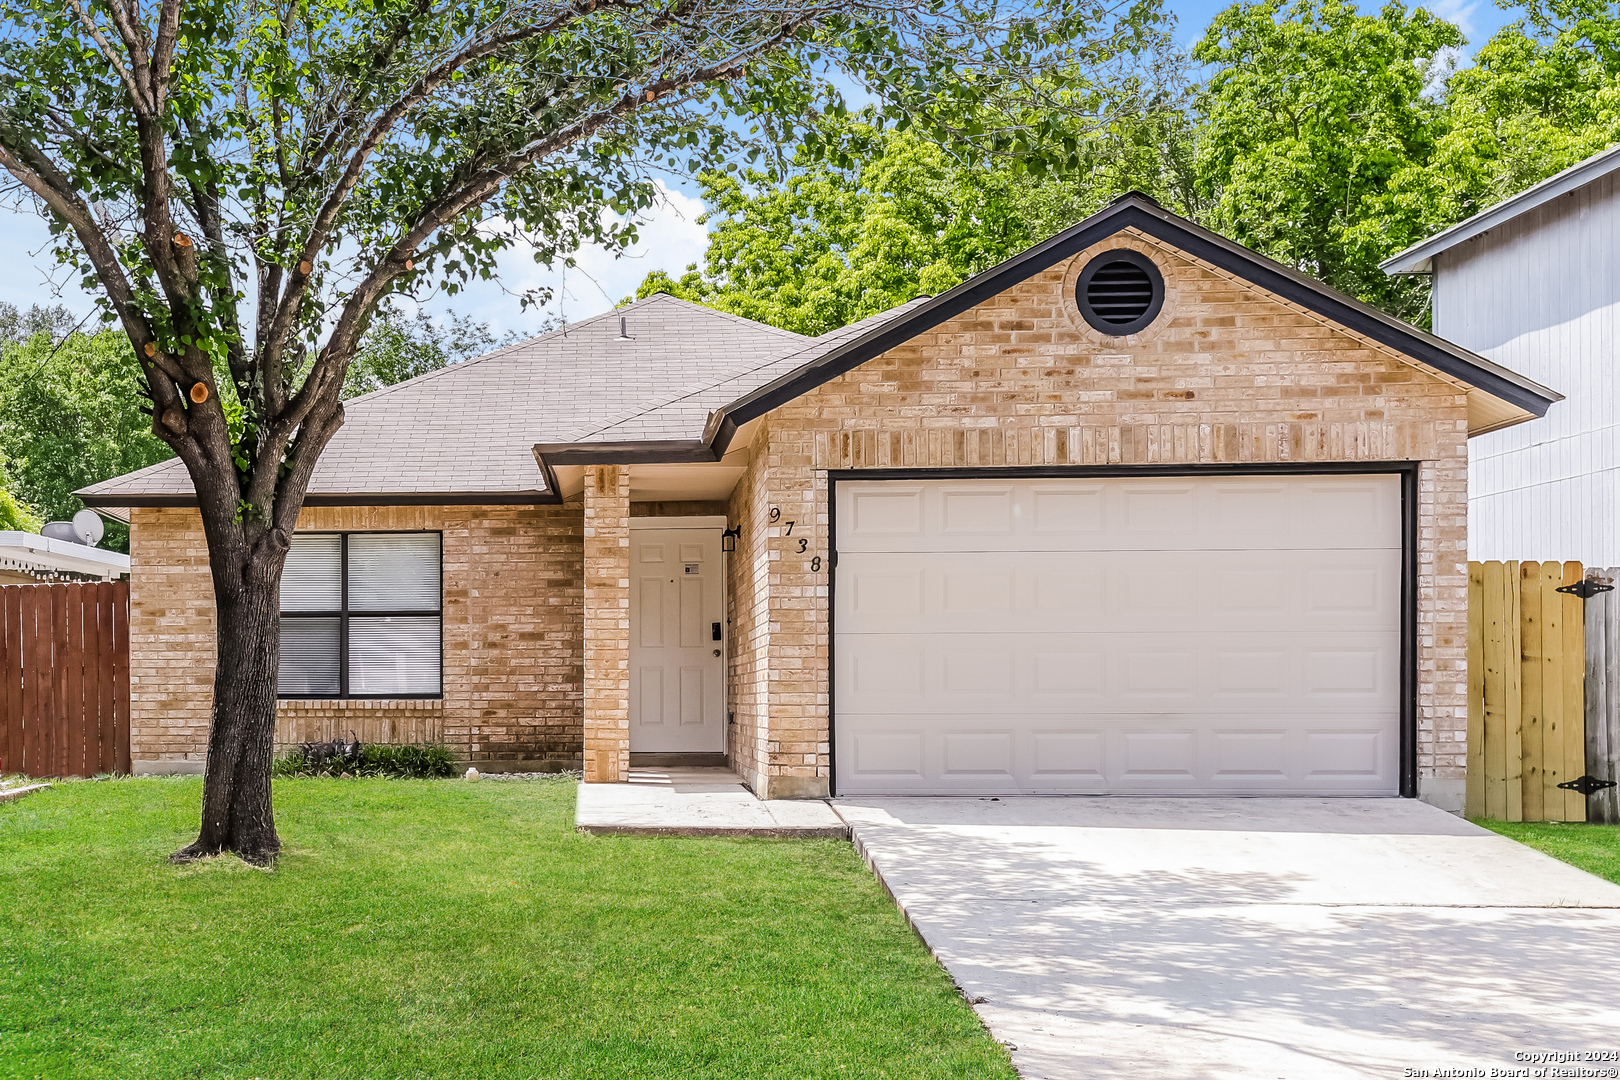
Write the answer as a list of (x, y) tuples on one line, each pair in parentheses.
[(1234, 635)]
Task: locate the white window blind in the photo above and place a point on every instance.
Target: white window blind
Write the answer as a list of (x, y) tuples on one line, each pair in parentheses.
[(313, 578), (310, 657), (394, 572), (361, 616), (394, 656)]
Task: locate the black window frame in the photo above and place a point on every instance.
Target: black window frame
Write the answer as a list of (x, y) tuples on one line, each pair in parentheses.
[(343, 613), (1155, 282)]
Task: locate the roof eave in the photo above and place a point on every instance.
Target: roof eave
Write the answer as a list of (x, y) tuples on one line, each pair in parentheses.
[(361, 498), (1530, 398), (61, 556), (1419, 258), (1153, 220)]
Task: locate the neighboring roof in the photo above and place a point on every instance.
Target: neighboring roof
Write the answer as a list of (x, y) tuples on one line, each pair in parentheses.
[(32, 553), (466, 433), (1417, 258)]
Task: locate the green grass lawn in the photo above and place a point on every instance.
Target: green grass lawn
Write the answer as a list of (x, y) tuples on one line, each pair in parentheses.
[(1593, 848), (445, 929)]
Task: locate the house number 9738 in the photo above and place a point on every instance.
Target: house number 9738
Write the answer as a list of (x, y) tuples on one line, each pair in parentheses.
[(775, 518)]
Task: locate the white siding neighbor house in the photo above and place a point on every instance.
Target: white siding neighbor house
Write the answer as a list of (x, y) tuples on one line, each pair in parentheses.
[(1533, 283)]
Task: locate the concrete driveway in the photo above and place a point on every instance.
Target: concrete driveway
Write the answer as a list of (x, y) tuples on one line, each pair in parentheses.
[(1220, 938)]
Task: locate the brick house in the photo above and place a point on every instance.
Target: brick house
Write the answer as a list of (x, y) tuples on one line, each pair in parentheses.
[(1135, 511)]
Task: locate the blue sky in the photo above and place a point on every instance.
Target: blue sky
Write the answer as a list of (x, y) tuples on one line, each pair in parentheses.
[(671, 236)]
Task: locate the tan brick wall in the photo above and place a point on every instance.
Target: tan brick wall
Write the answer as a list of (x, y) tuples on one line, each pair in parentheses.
[(607, 623), (513, 656), (1226, 374), (171, 640), (748, 665)]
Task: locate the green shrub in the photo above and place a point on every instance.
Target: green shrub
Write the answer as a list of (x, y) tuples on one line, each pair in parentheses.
[(403, 761)]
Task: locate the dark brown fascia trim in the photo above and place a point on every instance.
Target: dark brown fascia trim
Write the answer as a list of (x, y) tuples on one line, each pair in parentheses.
[(1148, 217), (652, 452), (409, 498)]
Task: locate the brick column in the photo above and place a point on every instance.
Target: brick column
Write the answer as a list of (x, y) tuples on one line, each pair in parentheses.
[(607, 623)]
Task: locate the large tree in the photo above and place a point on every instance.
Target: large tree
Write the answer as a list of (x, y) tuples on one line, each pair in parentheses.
[(1314, 120), (891, 215), (244, 181), (1542, 94), (69, 417)]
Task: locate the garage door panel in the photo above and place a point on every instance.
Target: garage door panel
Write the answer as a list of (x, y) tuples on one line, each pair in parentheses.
[(1008, 754), (1169, 635), (1161, 513), (1051, 592), (943, 674)]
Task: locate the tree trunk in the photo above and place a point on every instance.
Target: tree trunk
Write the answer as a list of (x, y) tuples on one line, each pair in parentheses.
[(236, 790)]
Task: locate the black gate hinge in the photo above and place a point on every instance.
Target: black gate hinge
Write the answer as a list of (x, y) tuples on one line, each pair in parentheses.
[(1586, 588), (1586, 785)]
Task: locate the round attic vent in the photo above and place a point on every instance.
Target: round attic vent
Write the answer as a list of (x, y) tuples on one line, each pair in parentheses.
[(1120, 292)]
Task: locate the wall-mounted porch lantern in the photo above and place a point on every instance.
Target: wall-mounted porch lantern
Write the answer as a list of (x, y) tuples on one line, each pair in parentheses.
[(729, 538)]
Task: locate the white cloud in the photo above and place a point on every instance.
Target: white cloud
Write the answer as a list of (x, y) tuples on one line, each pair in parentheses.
[(1460, 13), (670, 238)]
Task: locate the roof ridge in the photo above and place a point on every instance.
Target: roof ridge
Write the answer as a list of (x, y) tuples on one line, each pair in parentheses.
[(733, 316), (563, 330), (684, 393), (492, 355)]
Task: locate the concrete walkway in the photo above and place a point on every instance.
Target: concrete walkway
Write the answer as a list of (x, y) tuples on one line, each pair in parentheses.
[(698, 802), (1266, 938)]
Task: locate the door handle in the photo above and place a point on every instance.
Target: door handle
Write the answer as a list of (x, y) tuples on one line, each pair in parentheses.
[(714, 634), (717, 652)]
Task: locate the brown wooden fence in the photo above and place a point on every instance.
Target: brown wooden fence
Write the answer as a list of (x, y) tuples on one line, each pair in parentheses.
[(64, 679), (1526, 699)]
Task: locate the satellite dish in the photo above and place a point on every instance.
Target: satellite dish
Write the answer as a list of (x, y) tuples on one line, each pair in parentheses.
[(88, 527)]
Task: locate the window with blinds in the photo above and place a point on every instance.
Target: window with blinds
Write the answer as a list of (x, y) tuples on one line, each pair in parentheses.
[(362, 616)]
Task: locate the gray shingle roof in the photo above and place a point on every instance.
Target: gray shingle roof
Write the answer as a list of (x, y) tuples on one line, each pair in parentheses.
[(683, 415), (471, 428)]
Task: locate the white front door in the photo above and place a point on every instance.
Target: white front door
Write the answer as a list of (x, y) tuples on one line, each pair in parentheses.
[(677, 651), (1170, 635)]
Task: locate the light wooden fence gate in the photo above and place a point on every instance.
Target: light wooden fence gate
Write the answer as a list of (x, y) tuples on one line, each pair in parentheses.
[(64, 679), (1603, 696), (1527, 667)]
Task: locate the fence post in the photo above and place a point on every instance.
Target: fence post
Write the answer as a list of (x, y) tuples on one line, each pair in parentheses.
[(1539, 742), (120, 709), (1474, 800), (1574, 677), (1602, 699), (11, 668)]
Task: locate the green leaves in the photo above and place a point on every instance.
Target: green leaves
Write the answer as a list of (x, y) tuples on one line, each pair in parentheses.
[(70, 412), (1313, 118), (870, 219)]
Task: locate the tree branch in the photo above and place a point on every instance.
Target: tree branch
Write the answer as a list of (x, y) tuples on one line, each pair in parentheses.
[(134, 34), (163, 375), (106, 49), (343, 337), (298, 277)]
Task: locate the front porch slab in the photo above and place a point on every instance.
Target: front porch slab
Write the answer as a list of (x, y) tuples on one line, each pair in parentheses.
[(698, 801)]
